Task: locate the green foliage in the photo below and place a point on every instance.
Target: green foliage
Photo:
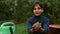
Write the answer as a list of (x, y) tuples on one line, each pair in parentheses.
[(20, 10)]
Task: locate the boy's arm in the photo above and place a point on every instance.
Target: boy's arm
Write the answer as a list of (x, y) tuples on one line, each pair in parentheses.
[(46, 26), (29, 26)]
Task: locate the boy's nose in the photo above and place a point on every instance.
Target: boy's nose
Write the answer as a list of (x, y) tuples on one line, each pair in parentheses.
[(36, 10)]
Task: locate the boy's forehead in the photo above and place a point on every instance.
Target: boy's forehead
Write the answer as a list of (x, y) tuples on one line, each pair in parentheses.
[(37, 5)]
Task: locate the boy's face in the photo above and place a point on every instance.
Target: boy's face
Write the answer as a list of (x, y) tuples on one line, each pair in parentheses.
[(37, 10)]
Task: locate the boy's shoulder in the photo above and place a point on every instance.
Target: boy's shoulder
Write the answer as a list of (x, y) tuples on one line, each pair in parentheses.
[(44, 17)]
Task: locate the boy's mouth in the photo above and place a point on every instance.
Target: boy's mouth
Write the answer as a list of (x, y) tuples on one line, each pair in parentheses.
[(37, 13)]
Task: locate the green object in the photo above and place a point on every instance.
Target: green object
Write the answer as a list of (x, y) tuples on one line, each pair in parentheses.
[(5, 28)]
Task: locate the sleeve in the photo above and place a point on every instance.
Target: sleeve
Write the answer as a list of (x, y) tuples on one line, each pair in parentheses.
[(29, 25), (46, 25)]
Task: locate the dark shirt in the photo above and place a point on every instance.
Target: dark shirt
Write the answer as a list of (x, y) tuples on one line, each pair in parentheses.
[(40, 19)]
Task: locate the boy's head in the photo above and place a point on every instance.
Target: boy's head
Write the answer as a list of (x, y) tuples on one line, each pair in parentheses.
[(37, 9)]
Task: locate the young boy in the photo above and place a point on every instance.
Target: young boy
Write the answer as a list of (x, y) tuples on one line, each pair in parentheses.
[(38, 24)]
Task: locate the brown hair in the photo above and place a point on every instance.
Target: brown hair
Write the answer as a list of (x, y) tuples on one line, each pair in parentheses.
[(36, 4)]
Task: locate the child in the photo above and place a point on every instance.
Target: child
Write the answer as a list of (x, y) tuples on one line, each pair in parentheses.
[(43, 22)]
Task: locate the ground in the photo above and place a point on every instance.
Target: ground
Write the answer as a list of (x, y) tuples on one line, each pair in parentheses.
[(21, 29)]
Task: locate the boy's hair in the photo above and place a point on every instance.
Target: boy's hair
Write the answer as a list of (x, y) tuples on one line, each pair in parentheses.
[(36, 4)]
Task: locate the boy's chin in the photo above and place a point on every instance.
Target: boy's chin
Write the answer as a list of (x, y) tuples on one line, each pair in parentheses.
[(37, 15)]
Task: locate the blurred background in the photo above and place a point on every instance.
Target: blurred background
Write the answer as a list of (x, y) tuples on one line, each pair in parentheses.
[(20, 10)]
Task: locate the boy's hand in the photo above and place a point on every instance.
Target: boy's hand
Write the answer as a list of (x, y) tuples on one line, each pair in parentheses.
[(36, 26)]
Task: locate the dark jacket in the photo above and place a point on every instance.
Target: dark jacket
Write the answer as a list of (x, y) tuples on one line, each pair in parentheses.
[(40, 19)]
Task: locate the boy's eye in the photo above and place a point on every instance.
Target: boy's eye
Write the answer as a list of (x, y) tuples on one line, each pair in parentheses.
[(34, 8), (39, 8)]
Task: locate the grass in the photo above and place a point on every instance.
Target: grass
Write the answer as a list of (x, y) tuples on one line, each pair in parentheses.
[(21, 29)]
